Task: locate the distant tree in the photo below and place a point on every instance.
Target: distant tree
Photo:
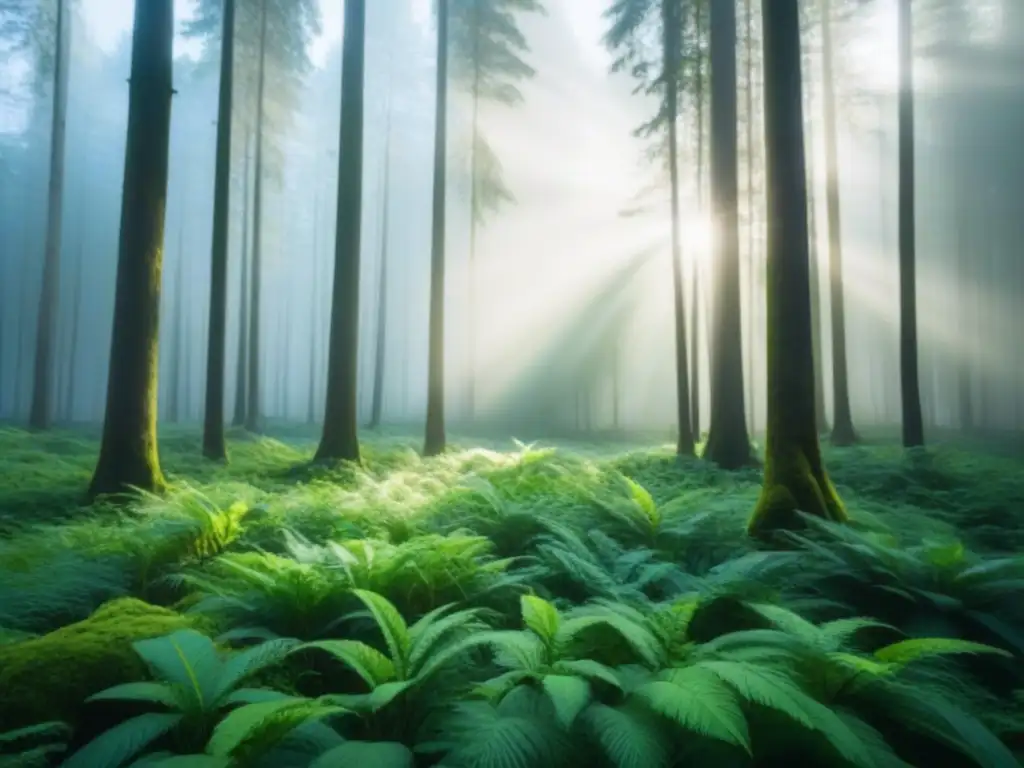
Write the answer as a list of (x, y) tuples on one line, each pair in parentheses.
[(41, 409), (128, 451), (794, 472), (913, 426), (242, 357), (434, 441), (380, 350), (340, 438), (214, 445), (629, 36), (728, 443), (177, 334)]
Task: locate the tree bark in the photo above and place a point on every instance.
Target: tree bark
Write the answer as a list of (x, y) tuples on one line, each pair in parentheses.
[(434, 442), (41, 410), (695, 424), (910, 390), (794, 473), (842, 419), (253, 416), (672, 25), (214, 445), (751, 379), (340, 439), (128, 451), (728, 443)]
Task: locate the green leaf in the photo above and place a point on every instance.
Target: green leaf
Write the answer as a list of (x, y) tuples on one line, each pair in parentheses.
[(432, 629), (910, 650), (569, 695), (588, 668), (253, 696), (168, 760), (155, 693), (367, 662), (699, 701), (265, 723), (185, 658), (121, 743), (246, 663), (629, 737), (540, 616), (379, 754), (392, 626)]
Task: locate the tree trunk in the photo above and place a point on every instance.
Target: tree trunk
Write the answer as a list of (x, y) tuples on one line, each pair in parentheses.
[(434, 442), (41, 410), (380, 356), (695, 369), (913, 428), (964, 315), (314, 316), (243, 301), (214, 446), (794, 474), (185, 383), (340, 438), (842, 420), (128, 451), (728, 443), (69, 392), (471, 267), (751, 378), (672, 23), (253, 417), (177, 318)]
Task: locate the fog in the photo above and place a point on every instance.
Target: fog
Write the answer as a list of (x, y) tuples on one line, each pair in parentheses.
[(567, 297)]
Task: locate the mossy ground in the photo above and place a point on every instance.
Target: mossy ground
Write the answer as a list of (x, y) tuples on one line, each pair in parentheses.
[(60, 560)]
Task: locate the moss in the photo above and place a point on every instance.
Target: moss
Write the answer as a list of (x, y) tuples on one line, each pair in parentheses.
[(49, 677), (794, 480)]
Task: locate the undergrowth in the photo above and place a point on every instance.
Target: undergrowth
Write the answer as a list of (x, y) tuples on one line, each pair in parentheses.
[(523, 606)]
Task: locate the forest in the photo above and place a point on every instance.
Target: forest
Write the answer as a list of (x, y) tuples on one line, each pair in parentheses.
[(511, 383)]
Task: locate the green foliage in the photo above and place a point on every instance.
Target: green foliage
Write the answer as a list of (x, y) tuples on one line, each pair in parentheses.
[(525, 608)]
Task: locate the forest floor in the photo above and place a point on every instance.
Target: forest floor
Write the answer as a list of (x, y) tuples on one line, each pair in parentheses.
[(625, 537)]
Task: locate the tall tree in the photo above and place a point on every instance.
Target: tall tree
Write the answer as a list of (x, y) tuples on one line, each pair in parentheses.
[(241, 362), (434, 441), (380, 350), (178, 332), (794, 472), (910, 391), (698, 57), (340, 438), (72, 384), (842, 419), (128, 451), (626, 37), (214, 445), (728, 443), (41, 410)]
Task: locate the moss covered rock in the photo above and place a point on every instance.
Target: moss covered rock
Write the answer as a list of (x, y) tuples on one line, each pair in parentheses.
[(49, 677)]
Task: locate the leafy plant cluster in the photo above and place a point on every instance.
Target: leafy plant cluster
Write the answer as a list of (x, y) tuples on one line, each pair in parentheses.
[(532, 608)]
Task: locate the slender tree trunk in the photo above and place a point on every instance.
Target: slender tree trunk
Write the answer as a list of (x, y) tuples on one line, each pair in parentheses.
[(728, 443), (253, 416), (672, 23), (794, 473), (174, 388), (243, 301), (128, 451), (473, 219), (380, 353), (41, 410), (695, 369), (913, 428), (340, 438), (76, 314), (748, 43), (820, 414), (214, 445), (434, 442), (185, 383), (842, 419), (314, 316)]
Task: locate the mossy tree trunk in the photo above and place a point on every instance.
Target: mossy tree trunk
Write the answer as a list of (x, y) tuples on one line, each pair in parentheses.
[(910, 390), (672, 27), (842, 419), (728, 441), (340, 439), (434, 442), (794, 473), (128, 451), (41, 410), (253, 415), (214, 445)]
